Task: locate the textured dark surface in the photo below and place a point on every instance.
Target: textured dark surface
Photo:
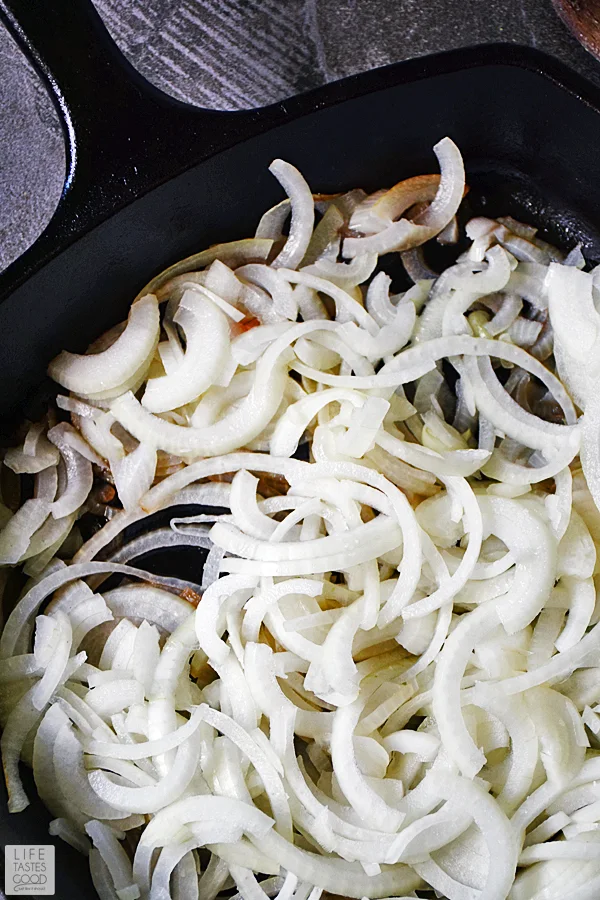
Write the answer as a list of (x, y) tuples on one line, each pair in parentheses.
[(232, 54)]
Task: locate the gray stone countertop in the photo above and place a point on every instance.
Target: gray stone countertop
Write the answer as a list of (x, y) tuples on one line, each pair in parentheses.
[(232, 54)]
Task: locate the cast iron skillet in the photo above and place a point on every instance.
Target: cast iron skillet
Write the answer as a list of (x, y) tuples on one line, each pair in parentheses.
[(150, 180)]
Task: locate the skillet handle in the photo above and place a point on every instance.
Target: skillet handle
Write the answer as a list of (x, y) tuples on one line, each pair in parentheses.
[(123, 136)]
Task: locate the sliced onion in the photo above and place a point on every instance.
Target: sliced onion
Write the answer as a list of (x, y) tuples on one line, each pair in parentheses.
[(207, 340), (297, 417), (576, 326), (148, 748), (495, 827), (418, 360), (390, 338), (453, 463), (55, 667), (134, 474), (35, 455), (208, 811), (270, 280), (373, 213), (18, 622), (404, 234), (303, 214), (108, 699), (219, 280), (344, 274), (16, 535), (361, 595), (150, 799), (372, 809), (100, 373), (115, 859), (336, 875), (80, 477), (346, 306), (230, 433), (261, 762)]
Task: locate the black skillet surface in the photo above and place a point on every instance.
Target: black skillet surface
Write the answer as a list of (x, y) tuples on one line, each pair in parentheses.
[(150, 180)]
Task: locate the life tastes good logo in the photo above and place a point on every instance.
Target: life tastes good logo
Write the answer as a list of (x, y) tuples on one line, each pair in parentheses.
[(29, 870)]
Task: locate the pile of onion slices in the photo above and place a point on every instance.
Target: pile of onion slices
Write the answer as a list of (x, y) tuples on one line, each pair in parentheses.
[(382, 676)]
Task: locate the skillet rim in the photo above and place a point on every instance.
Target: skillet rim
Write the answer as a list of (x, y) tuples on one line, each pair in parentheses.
[(78, 213)]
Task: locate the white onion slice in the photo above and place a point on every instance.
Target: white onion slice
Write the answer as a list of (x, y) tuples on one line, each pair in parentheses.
[(576, 325), (416, 361), (148, 748), (336, 875), (150, 799), (270, 280), (344, 274), (19, 620), (134, 474), (203, 810), (297, 417), (234, 431), (364, 427), (459, 490), (71, 776), (55, 667), (222, 285), (16, 535), (111, 698), (115, 859), (80, 477), (346, 305), (151, 603), (582, 602), (34, 456), (129, 356), (372, 809), (248, 745), (404, 234), (495, 827), (453, 462), (303, 214), (207, 341), (65, 830), (450, 668)]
